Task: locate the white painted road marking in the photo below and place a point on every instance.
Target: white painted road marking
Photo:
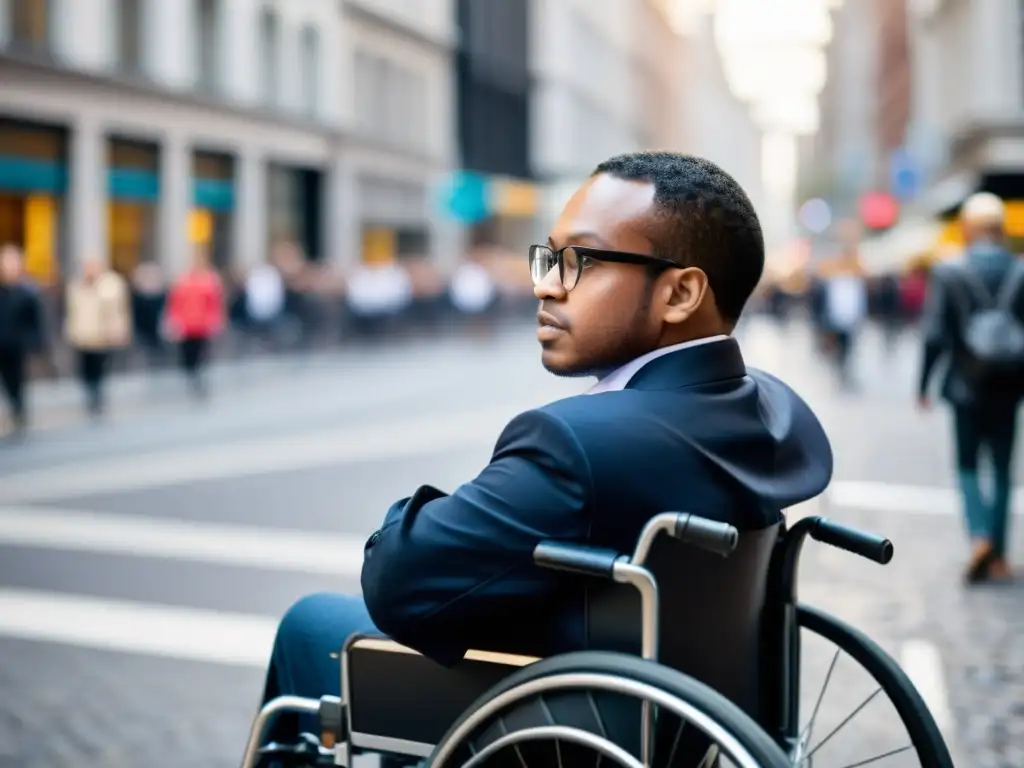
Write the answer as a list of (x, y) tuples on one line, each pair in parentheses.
[(922, 662), (365, 442), (143, 628), (231, 545), (906, 499)]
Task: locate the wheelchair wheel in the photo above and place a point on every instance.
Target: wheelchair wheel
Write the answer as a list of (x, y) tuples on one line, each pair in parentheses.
[(588, 709), (923, 744)]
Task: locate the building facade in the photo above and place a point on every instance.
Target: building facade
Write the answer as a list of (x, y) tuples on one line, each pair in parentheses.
[(134, 130), (713, 123), (844, 159), (968, 105), (605, 83), (401, 143), (494, 86)]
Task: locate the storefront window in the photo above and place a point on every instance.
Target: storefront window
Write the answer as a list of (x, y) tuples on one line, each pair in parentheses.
[(213, 181), (133, 188), (30, 24)]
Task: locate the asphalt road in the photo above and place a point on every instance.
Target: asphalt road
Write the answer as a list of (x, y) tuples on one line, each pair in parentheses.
[(144, 560)]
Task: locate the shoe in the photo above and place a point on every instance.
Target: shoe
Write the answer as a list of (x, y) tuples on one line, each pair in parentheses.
[(982, 557), (999, 570)]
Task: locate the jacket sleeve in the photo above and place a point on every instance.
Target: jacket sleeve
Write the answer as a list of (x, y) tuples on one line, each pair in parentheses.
[(442, 565), (935, 328)]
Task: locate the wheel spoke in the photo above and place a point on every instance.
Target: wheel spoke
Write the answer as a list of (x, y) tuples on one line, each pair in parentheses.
[(675, 742), (519, 754), (551, 721), (847, 719), (600, 723), (809, 729), (876, 758)]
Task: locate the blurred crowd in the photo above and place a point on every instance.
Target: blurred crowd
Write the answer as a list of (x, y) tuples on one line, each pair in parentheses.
[(100, 320)]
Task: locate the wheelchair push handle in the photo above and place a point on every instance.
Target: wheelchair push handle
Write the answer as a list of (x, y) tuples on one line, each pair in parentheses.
[(711, 535), (856, 542), (576, 558)]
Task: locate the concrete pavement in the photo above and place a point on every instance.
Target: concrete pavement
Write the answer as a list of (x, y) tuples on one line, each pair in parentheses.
[(144, 561)]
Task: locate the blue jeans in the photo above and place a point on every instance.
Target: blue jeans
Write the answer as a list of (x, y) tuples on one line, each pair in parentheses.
[(302, 663), (993, 428)]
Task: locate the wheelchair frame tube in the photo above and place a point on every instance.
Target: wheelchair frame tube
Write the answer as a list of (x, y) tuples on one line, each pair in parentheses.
[(266, 717), (645, 583), (786, 562)]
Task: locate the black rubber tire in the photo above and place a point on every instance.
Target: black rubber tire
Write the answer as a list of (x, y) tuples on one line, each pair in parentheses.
[(731, 718), (924, 734)]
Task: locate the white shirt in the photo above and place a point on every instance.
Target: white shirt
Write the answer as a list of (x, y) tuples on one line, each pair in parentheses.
[(619, 378), (472, 289), (379, 290), (847, 299), (264, 293)]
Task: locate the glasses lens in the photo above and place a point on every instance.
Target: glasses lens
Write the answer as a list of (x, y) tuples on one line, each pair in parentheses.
[(542, 261), (571, 266)]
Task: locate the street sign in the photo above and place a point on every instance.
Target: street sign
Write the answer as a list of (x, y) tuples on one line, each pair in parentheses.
[(466, 197), (904, 174)]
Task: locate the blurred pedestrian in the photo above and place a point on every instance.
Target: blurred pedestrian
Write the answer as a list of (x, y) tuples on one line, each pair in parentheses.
[(21, 333), (264, 303), (149, 296), (195, 316), (974, 316), (845, 296), (473, 294), (97, 323), (376, 296)]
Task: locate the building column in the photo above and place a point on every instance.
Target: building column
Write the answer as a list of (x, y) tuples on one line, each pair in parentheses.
[(175, 204), (250, 219), (88, 171), (342, 246)]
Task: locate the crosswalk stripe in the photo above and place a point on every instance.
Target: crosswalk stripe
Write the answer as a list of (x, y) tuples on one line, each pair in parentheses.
[(366, 442), (231, 545), (896, 498), (187, 634)]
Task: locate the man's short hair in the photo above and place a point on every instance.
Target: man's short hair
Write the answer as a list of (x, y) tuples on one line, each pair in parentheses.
[(703, 219)]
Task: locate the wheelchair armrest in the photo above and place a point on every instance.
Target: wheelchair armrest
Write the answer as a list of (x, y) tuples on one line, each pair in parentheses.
[(580, 559)]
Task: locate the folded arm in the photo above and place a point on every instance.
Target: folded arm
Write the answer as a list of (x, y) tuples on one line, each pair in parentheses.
[(442, 567)]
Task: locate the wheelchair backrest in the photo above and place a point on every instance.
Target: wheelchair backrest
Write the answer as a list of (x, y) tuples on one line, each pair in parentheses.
[(710, 616)]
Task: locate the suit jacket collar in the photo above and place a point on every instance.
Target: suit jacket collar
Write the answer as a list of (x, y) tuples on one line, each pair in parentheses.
[(701, 364)]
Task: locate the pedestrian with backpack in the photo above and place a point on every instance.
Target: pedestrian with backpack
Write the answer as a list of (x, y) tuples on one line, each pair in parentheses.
[(974, 319)]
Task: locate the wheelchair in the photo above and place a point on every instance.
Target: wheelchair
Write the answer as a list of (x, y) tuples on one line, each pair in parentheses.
[(700, 631)]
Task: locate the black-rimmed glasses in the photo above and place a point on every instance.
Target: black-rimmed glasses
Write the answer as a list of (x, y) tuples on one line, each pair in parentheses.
[(572, 260)]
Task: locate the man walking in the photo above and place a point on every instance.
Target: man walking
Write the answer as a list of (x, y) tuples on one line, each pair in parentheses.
[(21, 333), (974, 316)]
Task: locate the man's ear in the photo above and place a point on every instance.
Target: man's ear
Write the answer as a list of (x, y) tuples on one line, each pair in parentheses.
[(683, 292)]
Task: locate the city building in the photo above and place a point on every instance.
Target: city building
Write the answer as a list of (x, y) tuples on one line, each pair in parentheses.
[(134, 129), (401, 146), (711, 121), (843, 161), (495, 194), (968, 105), (586, 103)]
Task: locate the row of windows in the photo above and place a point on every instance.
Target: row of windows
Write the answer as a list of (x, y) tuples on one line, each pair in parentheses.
[(391, 101), (32, 27)]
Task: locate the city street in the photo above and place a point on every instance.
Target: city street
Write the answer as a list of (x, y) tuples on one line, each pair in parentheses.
[(144, 561)]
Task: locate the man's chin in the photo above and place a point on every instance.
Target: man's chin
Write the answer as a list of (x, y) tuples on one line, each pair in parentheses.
[(559, 366)]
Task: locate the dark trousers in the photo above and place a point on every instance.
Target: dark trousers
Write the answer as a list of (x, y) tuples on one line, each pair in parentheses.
[(192, 356), (12, 379), (994, 429), (92, 372)]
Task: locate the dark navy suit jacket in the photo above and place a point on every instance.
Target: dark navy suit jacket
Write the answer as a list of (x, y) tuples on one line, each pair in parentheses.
[(693, 431)]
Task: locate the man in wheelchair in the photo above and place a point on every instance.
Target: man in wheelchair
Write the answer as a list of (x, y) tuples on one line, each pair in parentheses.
[(641, 284)]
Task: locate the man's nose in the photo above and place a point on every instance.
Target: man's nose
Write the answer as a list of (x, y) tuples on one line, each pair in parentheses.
[(551, 286)]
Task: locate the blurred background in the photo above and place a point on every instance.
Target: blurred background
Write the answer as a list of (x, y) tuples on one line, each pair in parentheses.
[(348, 188)]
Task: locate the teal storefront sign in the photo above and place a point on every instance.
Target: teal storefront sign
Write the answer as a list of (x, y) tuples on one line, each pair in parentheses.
[(466, 197), (27, 175)]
